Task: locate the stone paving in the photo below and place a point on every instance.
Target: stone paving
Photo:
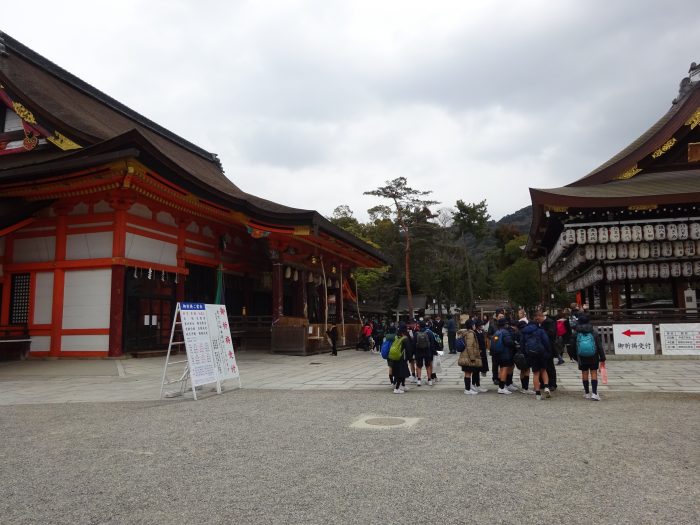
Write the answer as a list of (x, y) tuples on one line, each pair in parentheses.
[(67, 381)]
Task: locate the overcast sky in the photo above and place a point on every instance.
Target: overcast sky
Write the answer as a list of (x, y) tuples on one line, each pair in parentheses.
[(310, 103)]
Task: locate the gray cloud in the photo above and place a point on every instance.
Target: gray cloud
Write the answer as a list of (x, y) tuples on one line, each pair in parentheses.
[(310, 103)]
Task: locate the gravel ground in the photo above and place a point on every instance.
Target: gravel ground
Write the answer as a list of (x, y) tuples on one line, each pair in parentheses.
[(292, 457)]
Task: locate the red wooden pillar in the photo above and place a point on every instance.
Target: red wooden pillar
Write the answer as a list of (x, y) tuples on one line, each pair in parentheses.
[(58, 282), (277, 291), (615, 299), (116, 305), (303, 276), (182, 223), (7, 282)]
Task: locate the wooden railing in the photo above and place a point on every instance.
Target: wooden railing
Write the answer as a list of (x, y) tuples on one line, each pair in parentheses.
[(14, 342)]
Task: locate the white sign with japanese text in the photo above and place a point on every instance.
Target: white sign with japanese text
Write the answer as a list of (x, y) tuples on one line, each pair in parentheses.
[(195, 328), (633, 339), (221, 343), (680, 338)]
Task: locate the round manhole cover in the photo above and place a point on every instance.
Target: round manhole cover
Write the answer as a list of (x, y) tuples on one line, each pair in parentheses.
[(385, 421)]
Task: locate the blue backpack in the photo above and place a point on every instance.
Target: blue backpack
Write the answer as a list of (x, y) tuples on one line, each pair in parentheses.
[(498, 346), (585, 344), (460, 345), (533, 344), (386, 345)]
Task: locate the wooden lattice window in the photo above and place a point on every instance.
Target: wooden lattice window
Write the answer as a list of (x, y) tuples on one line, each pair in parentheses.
[(19, 299)]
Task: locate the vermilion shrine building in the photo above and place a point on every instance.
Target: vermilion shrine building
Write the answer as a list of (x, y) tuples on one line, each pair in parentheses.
[(108, 219), (635, 219)]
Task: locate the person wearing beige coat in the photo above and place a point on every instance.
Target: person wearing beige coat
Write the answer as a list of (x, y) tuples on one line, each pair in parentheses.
[(470, 359)]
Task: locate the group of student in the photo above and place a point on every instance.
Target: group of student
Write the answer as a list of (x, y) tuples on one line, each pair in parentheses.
[(531, 345)]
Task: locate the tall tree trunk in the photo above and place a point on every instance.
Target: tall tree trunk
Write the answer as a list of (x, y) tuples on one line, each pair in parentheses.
[(409, 294), (407, 251), (469, 275)]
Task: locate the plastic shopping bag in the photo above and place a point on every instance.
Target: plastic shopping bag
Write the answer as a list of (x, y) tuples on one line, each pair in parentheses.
[(437, 362), (603, 373)]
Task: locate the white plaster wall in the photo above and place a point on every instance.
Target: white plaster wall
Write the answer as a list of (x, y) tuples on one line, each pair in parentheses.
[(12, 121), (201, 253), (151, 250), (80, 209), (43, 297), (40, 343), (86, 299), (140, 210), (165, 218), (35, 249), (102, 207), (89, 245), (72, 343)]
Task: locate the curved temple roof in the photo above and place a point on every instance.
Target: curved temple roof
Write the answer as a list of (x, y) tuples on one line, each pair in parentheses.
[(100, 123)]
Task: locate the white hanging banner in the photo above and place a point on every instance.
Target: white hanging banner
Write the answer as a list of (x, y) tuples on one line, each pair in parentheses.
[(221, 342), (195, 328)]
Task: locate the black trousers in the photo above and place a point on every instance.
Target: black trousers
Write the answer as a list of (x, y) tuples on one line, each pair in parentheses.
[(552, 372), (451, 338), (494, 368)]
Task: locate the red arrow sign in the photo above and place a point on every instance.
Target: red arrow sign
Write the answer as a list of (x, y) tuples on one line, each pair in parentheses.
[(630, 333)]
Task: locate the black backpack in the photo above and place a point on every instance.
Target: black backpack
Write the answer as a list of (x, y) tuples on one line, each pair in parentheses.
[(422, 341)]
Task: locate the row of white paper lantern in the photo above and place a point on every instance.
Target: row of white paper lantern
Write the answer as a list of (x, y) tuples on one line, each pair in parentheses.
[(642, 250), (610, 252), (591, 277), (635, 233), (662, 270), (615, 234)]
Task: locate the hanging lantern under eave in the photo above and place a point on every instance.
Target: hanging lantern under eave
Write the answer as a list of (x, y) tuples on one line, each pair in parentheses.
[(633, 250), (694, 233), (696, 268), (655, 249), (648, 232), (637, 233), (610, 273), (614, 234), (611, 252), (625, 234), (653, 271), (622, 250), (295, 275), (569, 236), (631, 271), (678, 249), (687, 269), (664, 270), (689, 248), (672, 232), (590, 252), (682, 231), (644, 250), (592, 235), (660, 232), (642, 272), (603, 234), (287, 272), (666, 249), (580, 236), (676, 269), (600, 252), (621, 272)]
